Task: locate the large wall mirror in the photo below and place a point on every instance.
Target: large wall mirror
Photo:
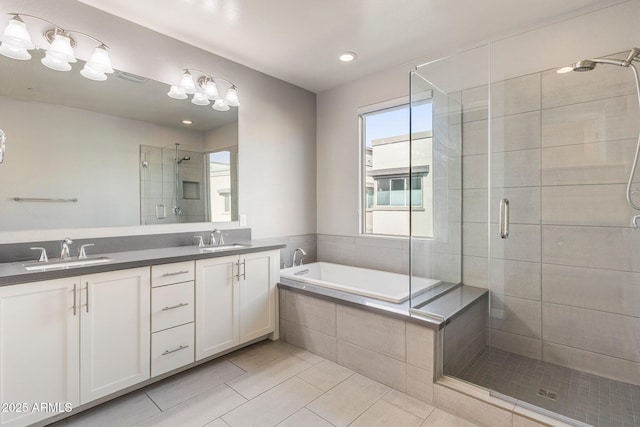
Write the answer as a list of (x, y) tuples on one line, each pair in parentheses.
[(82, 153)]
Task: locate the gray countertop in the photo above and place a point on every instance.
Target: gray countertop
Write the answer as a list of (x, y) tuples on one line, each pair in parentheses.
[(14, 272)]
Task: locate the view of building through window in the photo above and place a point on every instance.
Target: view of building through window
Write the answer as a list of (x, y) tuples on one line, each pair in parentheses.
[(388, 190)]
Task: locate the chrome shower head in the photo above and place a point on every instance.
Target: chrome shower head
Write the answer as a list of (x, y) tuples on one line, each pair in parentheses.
[(183, 159), (584, 65)]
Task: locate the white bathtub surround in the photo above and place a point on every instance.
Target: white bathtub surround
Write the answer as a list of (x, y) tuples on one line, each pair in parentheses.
[(376, 284)]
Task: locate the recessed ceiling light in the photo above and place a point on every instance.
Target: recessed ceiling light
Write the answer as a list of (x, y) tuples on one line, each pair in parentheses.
[(347, 56), (187, 122)]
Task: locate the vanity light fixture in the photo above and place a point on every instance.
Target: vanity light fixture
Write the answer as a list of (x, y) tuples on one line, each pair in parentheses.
[(205, 88), (16, 42)]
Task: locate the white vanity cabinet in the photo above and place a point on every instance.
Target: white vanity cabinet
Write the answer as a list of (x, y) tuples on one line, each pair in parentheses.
[(72, 340), (235, 300)]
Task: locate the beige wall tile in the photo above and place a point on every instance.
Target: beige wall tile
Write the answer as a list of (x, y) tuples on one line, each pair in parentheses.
[(516, 315), (345, 402), (376, 332), (519, 168), (597, 331), (316, 342), (475, 171), (476, 137), (420, 346), (420, 384), (336, 249), (515, 278), (518, 344), (314, 313), (515, 132), (474, 205), (524, 204), (523, 243), (475, 271), (474, 239), (596, 205), (470, 408), (515, 95), (475, 103), (379, 367), (598, 289)]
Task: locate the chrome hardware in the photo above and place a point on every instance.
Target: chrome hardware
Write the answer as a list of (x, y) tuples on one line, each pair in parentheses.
[(74, 298), (87, 304), (301, 272), (45, 199), (81, 253), (175, 273), (212, 238), (244, 269), (182, 304), (3, 140), (43, 254), (504, 218), (64, 248), (182, 347), (199, 241), (237, 275), (302, 255), (634, 222)]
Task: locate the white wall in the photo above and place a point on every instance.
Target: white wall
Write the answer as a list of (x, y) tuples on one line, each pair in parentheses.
[(276, 120)]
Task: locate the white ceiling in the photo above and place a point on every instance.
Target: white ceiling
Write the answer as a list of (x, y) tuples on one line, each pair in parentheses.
[(299, 40)]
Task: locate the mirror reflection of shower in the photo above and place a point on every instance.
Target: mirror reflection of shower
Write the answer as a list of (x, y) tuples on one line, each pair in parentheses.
[(177, 210)]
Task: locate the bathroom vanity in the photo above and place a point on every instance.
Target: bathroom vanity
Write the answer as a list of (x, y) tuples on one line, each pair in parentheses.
[(70, 337)]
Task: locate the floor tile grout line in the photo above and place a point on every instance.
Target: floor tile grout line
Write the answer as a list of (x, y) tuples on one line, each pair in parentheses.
[(153, 401)]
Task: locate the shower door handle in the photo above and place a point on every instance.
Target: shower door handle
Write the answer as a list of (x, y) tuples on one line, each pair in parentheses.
[(504, 218)]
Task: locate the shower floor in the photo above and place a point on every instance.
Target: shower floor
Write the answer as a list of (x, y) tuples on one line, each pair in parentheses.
[(584, 397)]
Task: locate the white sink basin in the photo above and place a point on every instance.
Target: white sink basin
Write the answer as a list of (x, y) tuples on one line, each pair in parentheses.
[(223, 248), (62, 264)]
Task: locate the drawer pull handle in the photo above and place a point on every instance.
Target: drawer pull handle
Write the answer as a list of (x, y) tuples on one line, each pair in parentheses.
[(182, 304), (175, 273), (182, 347)]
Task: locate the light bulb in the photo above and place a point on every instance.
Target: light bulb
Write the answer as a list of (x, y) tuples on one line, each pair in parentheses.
[(61, 48), (187, 83), (211, 90), (232, 97), (177, 93), (220, 105)]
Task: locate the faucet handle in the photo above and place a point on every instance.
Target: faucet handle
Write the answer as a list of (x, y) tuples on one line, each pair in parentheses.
[(81, 253), (221, 239), (43, 254), (199, 241)]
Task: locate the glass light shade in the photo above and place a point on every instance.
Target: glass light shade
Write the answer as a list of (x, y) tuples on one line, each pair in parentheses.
[(211, 90), (232, 97), (200, 99), (220, 105), (61, 48), (55, 63), (92, 74), (100, 60), (16, 35), (187, 83), (177, 93), (14, 52)]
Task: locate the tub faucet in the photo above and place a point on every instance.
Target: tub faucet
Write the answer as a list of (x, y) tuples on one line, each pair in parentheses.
[(64, 248), (302, 255)]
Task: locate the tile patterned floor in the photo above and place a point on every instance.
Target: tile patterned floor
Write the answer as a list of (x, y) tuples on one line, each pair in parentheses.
[(266, 384), (584, 397)]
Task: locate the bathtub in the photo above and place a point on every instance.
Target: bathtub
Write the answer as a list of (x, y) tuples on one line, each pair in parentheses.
[(381, 285)]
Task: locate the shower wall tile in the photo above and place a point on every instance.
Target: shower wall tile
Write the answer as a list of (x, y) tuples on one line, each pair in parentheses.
[(590, 330), (380, 254), (516, 168), (516, 315), (446, 267), (605, 290), (475, 171), (603, 82), (474, 242), (476, 137), (382, 334), (475, 103), (474, 205), (610, 248), (475, 271), (601, 205), (518, 344), (594, 363), (515, 132), (515, 95), (516, 278), (595, 121), (523, 243), (593, 163), (336, 249), (524, 204)]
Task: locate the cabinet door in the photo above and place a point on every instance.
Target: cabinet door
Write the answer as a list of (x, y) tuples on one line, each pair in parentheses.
[(258, 294), (115, 331), (216, 305), (39, 340)]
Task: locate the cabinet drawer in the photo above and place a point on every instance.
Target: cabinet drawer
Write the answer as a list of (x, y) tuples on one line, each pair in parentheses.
[(171, 305), (171, 349), (167, 274)]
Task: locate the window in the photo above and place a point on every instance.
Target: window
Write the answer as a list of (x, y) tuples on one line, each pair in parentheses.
[(387, 189)]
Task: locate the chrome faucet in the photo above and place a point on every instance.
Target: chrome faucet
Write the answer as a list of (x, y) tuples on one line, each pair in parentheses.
[(64, 248), (302, 255), (212, 239), (82, 254)]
